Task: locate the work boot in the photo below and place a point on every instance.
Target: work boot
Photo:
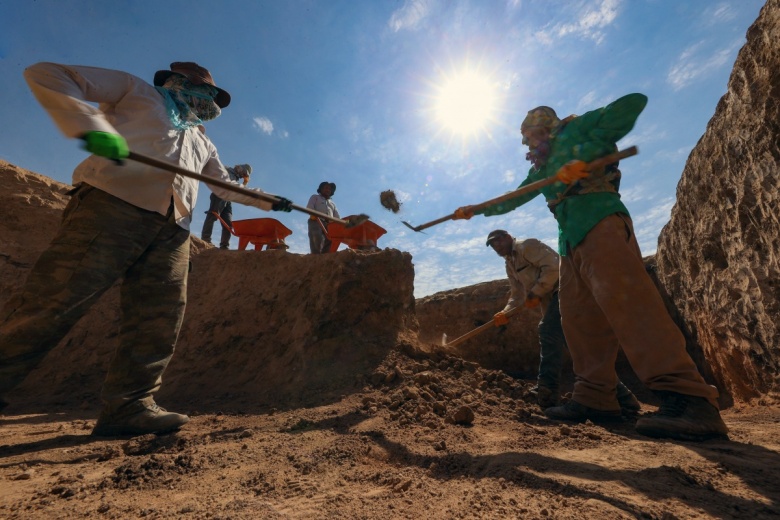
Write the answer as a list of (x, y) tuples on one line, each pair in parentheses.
[(546, 397), (629, 404), (138, 419), (684, 417), (576, 412)]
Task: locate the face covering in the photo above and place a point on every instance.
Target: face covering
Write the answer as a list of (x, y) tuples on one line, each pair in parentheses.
[(188, 105), (538, 156)]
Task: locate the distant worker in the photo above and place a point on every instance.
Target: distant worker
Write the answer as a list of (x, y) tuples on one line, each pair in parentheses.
[(608, 301), (125, 221), (224, 208), (532, 268), (318, 238)]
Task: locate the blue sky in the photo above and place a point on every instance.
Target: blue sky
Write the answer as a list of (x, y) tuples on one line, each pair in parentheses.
[(364, 93)]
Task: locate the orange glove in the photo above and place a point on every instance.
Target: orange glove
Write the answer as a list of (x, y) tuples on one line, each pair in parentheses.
[(463, 213), (500, 319), (532, 301), (572, 171)]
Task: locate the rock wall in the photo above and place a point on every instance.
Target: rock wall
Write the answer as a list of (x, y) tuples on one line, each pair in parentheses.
[(718, 257), (267, 329)]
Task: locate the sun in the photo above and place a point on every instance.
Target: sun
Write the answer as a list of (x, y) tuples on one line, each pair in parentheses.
[(465, 103)]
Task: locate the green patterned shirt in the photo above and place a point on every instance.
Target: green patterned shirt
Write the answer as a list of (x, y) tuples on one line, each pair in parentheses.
[(586, 138)]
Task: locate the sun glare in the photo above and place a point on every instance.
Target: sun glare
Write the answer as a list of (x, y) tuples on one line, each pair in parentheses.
[(465, 103)]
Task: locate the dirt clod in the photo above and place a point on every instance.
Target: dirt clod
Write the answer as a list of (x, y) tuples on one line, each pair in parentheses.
[(389, 201)]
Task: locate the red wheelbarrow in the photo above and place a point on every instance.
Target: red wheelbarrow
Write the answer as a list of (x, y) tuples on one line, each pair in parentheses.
[(259, 232), (362, 236)]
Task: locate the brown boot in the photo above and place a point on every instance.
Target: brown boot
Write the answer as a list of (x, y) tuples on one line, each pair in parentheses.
[(137, 419), (684, 417), (546, 397), (576, 412), (629, 404)]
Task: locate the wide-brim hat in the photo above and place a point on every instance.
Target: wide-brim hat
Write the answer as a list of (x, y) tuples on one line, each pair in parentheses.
[(197, 75), (326, 183), (494, 235)]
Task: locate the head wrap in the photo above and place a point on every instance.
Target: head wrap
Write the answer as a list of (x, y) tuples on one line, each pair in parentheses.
[(540, 117), (544, 117), (188, 105)]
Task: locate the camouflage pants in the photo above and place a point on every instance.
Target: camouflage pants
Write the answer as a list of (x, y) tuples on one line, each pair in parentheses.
[(101, 240)]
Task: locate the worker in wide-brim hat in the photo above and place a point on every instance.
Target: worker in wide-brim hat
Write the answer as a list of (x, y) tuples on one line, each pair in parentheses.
[(125, 221), (321, 201)]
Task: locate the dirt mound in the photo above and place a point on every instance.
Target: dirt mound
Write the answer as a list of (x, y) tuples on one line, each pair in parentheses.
[(262, 329)]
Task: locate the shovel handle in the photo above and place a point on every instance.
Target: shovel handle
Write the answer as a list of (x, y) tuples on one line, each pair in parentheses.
[(479, 330), (151, 161), (593, 165), (534, 186)]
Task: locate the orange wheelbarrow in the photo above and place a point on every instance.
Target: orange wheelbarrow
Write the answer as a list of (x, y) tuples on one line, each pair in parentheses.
[(361, 236), (259, 232)]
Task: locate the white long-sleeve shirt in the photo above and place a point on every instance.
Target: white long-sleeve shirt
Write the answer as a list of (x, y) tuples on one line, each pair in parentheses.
[(134, 109), (327, 206)]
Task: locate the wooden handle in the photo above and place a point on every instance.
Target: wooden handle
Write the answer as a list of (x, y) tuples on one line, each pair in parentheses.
[(482, 328), (534, 186), (225, 185)]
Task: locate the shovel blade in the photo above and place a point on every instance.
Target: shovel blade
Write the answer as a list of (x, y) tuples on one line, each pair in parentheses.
[(444, 340)]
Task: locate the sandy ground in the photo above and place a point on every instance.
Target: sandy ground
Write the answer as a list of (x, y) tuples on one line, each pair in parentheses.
[(430, 436)]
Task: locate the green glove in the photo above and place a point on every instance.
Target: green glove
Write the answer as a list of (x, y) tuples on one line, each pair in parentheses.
[(104, 144)]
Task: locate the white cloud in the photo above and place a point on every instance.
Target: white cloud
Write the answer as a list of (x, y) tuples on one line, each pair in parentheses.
[(410, 15), (693, 65), (590, 22), (719, 13), (510, 177), (648, 225), (263, 124)]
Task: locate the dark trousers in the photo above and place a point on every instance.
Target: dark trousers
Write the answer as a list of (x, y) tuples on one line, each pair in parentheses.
[(552, 343), (224, 209)]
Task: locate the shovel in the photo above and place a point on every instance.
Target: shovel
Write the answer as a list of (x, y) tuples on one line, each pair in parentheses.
[(479, 330), (534, 186), (358, 219)]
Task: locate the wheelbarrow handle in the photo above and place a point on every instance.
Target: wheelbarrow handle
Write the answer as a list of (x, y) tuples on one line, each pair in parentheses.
[(226, 185)]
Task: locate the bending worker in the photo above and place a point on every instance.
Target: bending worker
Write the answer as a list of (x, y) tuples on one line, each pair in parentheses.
[(124, 221), (532, 268)]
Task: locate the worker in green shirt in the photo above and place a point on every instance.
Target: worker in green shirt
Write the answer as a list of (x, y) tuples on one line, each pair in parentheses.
[(607, 299)]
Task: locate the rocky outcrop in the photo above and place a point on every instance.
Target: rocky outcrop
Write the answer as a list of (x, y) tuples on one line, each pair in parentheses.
[(719, 256)]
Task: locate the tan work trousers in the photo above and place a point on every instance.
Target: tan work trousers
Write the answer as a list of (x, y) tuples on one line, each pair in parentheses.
[(609, 301)]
